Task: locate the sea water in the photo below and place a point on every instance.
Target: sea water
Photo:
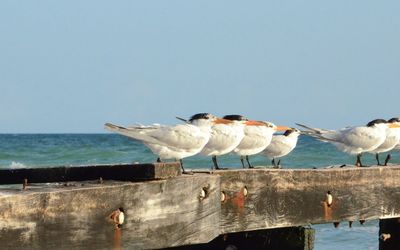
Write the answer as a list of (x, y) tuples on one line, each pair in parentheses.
[(45, 150)]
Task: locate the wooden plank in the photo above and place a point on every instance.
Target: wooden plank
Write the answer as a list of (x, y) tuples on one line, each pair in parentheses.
[(121, 172), (287, 197), (167, 213), (158, 214)]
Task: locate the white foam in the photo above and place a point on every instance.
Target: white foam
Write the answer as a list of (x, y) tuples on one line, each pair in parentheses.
[(17, 165)]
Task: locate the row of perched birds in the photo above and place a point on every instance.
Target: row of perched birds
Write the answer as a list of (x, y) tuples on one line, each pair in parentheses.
[(212, 136)]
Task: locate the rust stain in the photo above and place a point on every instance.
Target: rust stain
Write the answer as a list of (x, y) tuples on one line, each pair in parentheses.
[(328, 209), (117, 239), (239, 201)]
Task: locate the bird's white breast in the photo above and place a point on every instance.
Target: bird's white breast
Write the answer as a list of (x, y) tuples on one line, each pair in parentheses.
[(224, 138), (255, 140)]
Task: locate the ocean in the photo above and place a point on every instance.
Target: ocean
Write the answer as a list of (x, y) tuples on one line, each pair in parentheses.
[(45, 150)]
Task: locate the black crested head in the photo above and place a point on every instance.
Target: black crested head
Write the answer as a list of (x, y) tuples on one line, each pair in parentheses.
[(376, 121), (288, 132), (393, 120), (200, 116), (121, 209), (235, 118)]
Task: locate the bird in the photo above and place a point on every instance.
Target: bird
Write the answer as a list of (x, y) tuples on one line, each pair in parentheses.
[(172, 142), (281, 145), (257, 136), (118, 217), (391, 141), (353, 140), (225, 137)]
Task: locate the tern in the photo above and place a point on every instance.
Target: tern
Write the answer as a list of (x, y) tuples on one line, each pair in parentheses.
[(172, 142), (225, 137), (281, 145), (354, 140), (391, 141), (257, 136)]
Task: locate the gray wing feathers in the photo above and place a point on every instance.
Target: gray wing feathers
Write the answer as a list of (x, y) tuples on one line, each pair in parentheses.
[(137, 132), (320, 134)]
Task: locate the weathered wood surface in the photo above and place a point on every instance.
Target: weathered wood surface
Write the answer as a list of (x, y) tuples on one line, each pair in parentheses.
[(166, 213), (286, 198), (121, 172), (158, 214)]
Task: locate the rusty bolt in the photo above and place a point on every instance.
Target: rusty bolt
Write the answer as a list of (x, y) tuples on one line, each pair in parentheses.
[(329, 198), (223, 196), (384, 237), (245, 191)]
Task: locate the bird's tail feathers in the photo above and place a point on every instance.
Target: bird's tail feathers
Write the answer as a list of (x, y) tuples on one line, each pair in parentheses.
[(323, 138), (113, 127), (136, 133), (310, 129), (320, 134)]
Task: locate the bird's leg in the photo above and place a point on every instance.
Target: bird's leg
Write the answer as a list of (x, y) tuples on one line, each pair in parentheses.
[(241, 159), (273, 162), (358, 162), (388, 157), (183, 169), (248, 162), (377, 159), (158, 159), (214, 158), (276, 165)]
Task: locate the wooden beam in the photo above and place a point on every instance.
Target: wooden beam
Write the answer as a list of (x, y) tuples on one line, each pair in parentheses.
[(121, 172), (157, 214), (292, 197), (188, 210)]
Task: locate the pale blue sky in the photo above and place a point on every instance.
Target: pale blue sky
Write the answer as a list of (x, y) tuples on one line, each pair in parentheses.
[(71, 66)]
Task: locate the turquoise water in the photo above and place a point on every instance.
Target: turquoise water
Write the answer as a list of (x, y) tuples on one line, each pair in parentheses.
[(33, 150)]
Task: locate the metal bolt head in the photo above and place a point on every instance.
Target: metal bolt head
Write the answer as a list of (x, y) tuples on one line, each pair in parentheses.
[(202, 194), (223, 196), (384, 237), (245, 191), (329, 198)]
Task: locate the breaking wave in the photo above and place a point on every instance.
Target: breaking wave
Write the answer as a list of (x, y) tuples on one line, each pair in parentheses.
[(17, 165)]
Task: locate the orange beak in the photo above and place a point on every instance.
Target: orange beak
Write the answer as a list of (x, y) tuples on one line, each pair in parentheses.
[(222, 121), (394, 125), (282, 128), (254, 123)]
